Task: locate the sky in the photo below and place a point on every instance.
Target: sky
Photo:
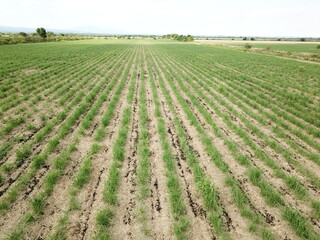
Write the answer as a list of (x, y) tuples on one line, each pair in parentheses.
[(268, 18)]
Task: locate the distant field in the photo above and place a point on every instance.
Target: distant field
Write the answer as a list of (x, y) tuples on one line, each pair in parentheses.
[(307, 47), (152, 139)]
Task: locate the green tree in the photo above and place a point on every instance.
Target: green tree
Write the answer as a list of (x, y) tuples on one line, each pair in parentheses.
[(42, 32), (23, 34), (190, 38), (181, 38)]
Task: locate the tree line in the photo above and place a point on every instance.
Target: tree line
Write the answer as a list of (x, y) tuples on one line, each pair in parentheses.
[(181, 38), (41, 35)]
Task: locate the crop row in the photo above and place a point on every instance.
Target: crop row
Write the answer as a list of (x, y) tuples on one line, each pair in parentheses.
[(267, 191)]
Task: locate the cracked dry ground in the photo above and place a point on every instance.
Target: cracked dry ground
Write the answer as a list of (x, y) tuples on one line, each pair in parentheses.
[(163, 140)]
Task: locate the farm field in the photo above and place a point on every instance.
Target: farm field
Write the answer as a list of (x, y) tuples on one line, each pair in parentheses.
[(307, 47), (156, 139)]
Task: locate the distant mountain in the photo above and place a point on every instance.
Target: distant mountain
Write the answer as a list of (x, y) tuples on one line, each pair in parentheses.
[(80, 29), (99, 30), (16, 29)]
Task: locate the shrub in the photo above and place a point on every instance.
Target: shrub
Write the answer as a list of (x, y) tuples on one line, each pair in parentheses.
[(23, 34), (247, 46)]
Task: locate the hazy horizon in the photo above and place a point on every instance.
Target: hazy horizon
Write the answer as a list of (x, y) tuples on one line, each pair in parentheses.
[(195, 17)]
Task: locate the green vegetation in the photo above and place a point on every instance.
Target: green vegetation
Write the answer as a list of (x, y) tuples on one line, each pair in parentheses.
[(181, 38), (234, 136), (178, 208), (247, 46), (143, 171), (118, 155), (40, 35), (288, 47), (267, 191), (41, 32)]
